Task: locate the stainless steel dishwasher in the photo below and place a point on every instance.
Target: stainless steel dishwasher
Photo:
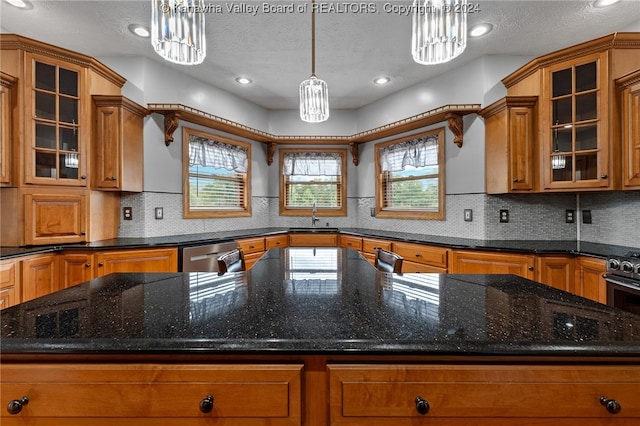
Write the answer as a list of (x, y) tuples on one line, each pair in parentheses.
[(203, 258)]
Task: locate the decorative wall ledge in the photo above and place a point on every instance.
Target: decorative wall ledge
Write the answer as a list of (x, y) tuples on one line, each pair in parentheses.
[(453, 114)]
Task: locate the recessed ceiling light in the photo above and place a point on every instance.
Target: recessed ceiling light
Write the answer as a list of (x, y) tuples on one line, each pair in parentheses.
[(243, 80), (604, 3), (381, 80), (22, 4), (139, 30), (480, 30)]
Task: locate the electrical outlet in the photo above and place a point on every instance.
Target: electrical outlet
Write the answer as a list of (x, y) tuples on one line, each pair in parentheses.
[(159, 213), (586, 216), (468, 215), (504, 216), (127, 213), (570, 216)]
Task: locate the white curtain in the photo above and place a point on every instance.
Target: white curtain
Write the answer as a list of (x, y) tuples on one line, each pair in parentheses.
[(210, 153), (312, 164), (419, 152)]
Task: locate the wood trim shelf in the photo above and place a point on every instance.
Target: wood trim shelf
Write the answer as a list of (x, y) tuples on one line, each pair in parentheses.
[(173, 113)]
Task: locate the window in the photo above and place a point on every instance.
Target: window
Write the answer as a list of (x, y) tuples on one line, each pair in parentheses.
[(311, 178), (216, 176), (410, 177)]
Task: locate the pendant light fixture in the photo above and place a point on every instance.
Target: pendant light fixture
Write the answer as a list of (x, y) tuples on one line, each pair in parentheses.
[(558, 160), (177, 30), (314, 93), (439, 30)]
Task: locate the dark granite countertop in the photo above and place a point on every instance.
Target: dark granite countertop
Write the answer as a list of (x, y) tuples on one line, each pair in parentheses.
[(317, 301), (522, 246)]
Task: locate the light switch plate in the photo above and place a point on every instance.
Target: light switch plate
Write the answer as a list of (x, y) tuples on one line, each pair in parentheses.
[(468, 215), (159, 213)]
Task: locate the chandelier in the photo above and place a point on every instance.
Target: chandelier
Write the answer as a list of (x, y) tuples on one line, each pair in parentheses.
[(177, 30), (314, 93), (439, 30)]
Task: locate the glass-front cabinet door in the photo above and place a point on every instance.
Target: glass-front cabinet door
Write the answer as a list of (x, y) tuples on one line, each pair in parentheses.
[(54, 125), (574, 142)]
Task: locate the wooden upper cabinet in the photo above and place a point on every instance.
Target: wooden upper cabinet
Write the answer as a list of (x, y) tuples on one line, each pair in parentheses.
[(56, 123), (7, 102), (630, 94), (52, 218), (578, 145), (575, 124), (509, 143), (118, 129)]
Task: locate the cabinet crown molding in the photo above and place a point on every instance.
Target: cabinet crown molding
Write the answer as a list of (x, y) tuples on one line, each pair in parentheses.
[(18, 42)]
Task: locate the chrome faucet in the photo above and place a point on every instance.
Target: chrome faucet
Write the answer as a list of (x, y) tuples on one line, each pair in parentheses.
[(314, 218)]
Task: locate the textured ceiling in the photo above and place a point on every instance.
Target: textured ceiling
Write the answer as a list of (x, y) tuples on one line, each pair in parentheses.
[(273, 49)]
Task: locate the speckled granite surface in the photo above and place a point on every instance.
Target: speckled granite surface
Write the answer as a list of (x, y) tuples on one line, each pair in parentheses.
[(313, 301), (524, 246)]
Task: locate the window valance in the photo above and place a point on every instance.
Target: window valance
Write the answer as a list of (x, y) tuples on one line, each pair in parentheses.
[(211, 153), (312, 164), (419, 152)]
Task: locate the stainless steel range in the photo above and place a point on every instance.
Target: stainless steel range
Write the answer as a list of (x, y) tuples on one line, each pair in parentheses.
[(623, 281)]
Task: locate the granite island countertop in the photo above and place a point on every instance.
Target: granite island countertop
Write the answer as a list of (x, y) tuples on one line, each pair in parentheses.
[(317, 301)]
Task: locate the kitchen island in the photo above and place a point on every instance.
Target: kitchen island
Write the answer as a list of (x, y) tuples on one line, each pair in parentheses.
[(315, 337)]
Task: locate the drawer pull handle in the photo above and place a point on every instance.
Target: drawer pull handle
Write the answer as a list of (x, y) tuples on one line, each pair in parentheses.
[(206, 405), (612, 405), (15, 406), (417, 254), (422, 406)]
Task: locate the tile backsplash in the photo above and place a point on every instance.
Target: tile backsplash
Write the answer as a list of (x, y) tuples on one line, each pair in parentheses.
[(616, 217)]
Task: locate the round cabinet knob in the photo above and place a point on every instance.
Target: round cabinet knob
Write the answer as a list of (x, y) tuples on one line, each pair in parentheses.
[(530, 268), (15, 406), (113, 178), (611, 405), (422, 406), (100, 263), (83, 177), (604, 176), (206, 405), (87, 265), (515, 180)]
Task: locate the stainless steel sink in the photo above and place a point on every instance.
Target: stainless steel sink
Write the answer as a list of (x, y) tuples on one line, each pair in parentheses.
[(313, 230)]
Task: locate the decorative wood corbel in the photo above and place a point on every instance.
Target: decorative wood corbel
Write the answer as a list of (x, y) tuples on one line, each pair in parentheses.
[(456, 126), (354, 152), (271, 149), (171, 122)]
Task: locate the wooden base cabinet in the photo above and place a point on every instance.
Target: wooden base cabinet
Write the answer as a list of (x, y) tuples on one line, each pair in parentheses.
[(422, 258), (78, 267), (478, 262), (9, 283), (555, 271), (39, 275), (588, 281), (148, 394), (457, 395)]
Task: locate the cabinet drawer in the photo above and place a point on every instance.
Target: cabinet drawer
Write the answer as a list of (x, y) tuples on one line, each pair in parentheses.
[(276, 241), (428, 255), (251, 245), (369, 245), (349, 241), (7, 274), (313, 240), (388, 393), (242, 394), (408, 267)]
